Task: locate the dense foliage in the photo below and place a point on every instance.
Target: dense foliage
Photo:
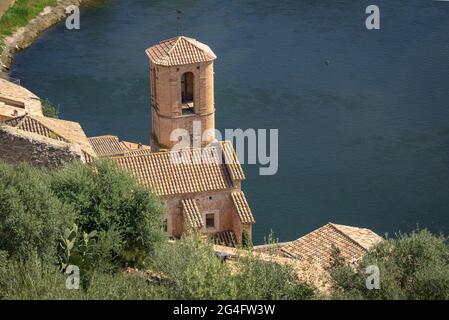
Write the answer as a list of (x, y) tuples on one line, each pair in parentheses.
[(189, 269), (412, 266), (31, 216), (197, 273), (35, 280), (126, 216), (38, 205)]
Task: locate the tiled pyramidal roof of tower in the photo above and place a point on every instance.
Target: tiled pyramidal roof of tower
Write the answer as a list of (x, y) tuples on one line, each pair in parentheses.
[(178, 51)]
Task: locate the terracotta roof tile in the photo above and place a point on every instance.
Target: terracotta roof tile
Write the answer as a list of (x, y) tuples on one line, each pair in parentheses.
[(242, 207), (318, 245), (191, 213), (200, 170), (225, 238), (364, 237), (138, 152), (109, 146), (29, 124), (178, 51), (231, 160), (106, 146), (89, 159)]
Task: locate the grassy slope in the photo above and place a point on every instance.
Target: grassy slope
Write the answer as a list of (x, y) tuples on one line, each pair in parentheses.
[(20, 14)]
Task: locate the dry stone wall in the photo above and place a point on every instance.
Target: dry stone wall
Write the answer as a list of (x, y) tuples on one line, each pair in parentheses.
[(17, 147)]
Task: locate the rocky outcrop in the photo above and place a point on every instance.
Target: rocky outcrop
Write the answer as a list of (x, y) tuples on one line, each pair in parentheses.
[(25, 36)]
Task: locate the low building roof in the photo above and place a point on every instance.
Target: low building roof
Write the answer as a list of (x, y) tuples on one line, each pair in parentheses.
[(243, 209), (179, 51), (225, 238), (61, 130), (106, 146), (318, 246), (111, 146), (185, 171), (366, 238), (192, 214), (232, 161), (15, 100)]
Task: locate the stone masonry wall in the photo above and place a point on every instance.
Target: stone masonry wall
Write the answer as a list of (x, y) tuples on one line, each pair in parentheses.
[(16, 147)]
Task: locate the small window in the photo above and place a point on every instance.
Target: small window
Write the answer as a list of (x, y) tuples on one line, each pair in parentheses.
[(210, 220), (165, 224)]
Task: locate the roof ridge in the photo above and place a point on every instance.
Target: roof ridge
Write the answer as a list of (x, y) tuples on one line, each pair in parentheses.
[(19, 119), (193, 41), (169, 39), (103, 136), (334, 226), (351, 227), (174, 45), (172, 152)]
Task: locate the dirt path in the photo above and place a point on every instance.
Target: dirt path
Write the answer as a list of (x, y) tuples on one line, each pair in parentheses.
[(4, 5)]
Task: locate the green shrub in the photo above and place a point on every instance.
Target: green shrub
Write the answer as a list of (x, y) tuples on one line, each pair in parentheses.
[(126, 216), (37, 205), (49, 109), (34, 280), (246, 240), (124, 287), (194, 270), (30, 279), (32, 216), (413, 266), (261, 280), (196, 273)]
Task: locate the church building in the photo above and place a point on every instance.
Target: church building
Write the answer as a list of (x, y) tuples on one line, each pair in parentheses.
[(199, 195)]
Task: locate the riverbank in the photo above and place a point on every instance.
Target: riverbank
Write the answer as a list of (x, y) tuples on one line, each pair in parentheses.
[(18, 33)]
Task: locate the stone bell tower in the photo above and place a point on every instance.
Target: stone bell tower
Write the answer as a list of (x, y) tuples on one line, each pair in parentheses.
[(182, 90)]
